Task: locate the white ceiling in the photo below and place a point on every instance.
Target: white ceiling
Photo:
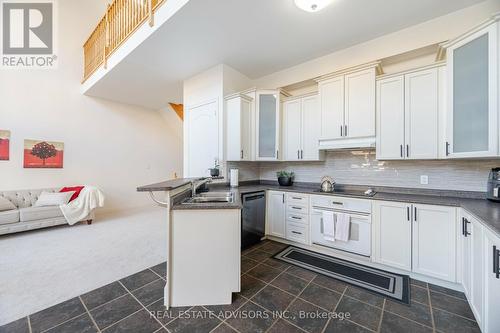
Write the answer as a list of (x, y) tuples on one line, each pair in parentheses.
[(256, 37)]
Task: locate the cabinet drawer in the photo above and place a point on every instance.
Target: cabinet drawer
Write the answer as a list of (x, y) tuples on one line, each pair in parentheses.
[(297, 208), (297, 218), (299, 198), (296, 232)]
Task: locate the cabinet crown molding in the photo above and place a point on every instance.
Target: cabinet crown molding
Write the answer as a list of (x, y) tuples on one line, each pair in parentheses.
[(238, 95), (292, 98), (413, 70), (443, 46), (375, 64)]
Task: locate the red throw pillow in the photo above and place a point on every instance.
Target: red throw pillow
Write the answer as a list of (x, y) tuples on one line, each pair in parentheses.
[(77, 190)]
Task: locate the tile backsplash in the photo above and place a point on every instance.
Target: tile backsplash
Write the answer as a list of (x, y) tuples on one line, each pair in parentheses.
[(359, 167)]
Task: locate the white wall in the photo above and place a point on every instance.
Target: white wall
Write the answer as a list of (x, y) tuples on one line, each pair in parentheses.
[(113, 146), (431, 32)]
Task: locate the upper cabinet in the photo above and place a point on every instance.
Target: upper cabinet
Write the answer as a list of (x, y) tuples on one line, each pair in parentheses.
[(408, 109), (268, 125), (238, 142), (472, 114), (347, 104), (301, 128)]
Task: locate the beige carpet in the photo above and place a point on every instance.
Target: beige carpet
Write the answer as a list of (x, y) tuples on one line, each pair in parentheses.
[(41, 268)]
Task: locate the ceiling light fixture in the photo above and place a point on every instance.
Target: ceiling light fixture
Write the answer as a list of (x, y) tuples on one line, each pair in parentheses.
[(312, 5)]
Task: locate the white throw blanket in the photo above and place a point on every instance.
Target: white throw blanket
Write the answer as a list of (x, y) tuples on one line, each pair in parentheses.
[(89, 199), (342, 228)]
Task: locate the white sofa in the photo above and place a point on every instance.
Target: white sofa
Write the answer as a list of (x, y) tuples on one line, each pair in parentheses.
[(26, 216)]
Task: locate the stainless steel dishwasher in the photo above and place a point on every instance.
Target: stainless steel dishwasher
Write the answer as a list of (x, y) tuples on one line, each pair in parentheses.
[(253, 218)]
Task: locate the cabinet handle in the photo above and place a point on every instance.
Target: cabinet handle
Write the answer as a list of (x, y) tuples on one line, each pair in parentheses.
[(407, 150), (415, 217), (401, 150), (301, 154), (296, 232), (296, 198), (345, 130), (496, 260), (322, 226), (337, 203), (277, 154), (341, 129), (298, 154), (296, 218), (242, 154), (447, 148), (408, 213), (283, 197), (466, 233), (463, 226), (294, 207)]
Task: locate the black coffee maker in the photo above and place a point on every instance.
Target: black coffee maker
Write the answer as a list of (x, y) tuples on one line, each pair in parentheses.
[(493, 190)]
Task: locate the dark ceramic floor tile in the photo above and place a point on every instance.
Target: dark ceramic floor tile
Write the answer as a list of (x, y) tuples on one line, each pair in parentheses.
[(223, 328), (159, 311), (278, 264), (290, 283), (273, 299), (344, 326), (395, 324), (301, 273), (82, 324), (138, 280), (418, 283), (416, 312), (238, 301), (250, 286), (447, 291), (325, 298), (160, 269), (260, 321), (56, 315), (139, 322), (18, 326), (282, 326), (258, 255), (247, 264), (114, 311), (150, 293), (451, 304), (361, 313), (273, 247), (419, 294), (307, 316), (365, 296), (264, 273), (195, 320), (449, 323), (330, 283), (103, 295)]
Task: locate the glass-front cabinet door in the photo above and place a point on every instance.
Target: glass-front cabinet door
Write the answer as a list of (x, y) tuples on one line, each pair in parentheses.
[(268, 124), (472, 117)]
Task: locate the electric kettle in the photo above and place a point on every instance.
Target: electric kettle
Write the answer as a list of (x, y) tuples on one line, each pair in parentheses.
[(327, 184)]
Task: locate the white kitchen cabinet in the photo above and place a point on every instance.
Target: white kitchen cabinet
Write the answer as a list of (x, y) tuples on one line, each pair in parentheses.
[(392, 234), (268, 125), (491, 253), (276, 214), (347, 103), (418, 238), (472, 113), (434, 241), (302, 124), (238, 112), (408, 108)]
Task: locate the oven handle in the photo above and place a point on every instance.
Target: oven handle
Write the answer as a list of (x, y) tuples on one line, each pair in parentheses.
[(320, 209)]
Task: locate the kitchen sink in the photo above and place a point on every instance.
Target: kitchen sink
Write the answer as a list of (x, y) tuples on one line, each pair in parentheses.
[(210, 197)]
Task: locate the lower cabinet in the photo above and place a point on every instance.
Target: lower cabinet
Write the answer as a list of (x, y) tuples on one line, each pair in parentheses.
[(275, 214), (491, 253), (418, 238)]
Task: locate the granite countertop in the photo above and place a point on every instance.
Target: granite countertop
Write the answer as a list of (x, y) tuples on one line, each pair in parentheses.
[(486, 211), (166, 185)]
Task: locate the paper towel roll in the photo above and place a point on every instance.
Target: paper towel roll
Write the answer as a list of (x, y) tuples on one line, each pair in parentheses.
[(234, 177)]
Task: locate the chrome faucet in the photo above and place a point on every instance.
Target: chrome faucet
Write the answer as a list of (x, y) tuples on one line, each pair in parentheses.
[(196, 183)]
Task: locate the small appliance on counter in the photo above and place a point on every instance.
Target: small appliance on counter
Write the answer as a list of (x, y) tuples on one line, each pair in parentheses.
[(492, 192), (234, 178), (327, 184)]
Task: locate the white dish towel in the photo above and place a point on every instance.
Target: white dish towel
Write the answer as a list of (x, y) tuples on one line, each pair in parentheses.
[(342, 228), (328, 226)]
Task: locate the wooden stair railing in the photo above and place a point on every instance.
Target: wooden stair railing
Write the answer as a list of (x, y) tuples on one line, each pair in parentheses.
[(122, 19), (179, 109)]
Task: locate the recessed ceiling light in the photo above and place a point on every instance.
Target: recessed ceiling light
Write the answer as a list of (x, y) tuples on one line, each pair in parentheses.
[(312, 5)]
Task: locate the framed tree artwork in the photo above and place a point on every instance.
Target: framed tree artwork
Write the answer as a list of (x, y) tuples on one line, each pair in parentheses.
[(4, 145), (43, 154)]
